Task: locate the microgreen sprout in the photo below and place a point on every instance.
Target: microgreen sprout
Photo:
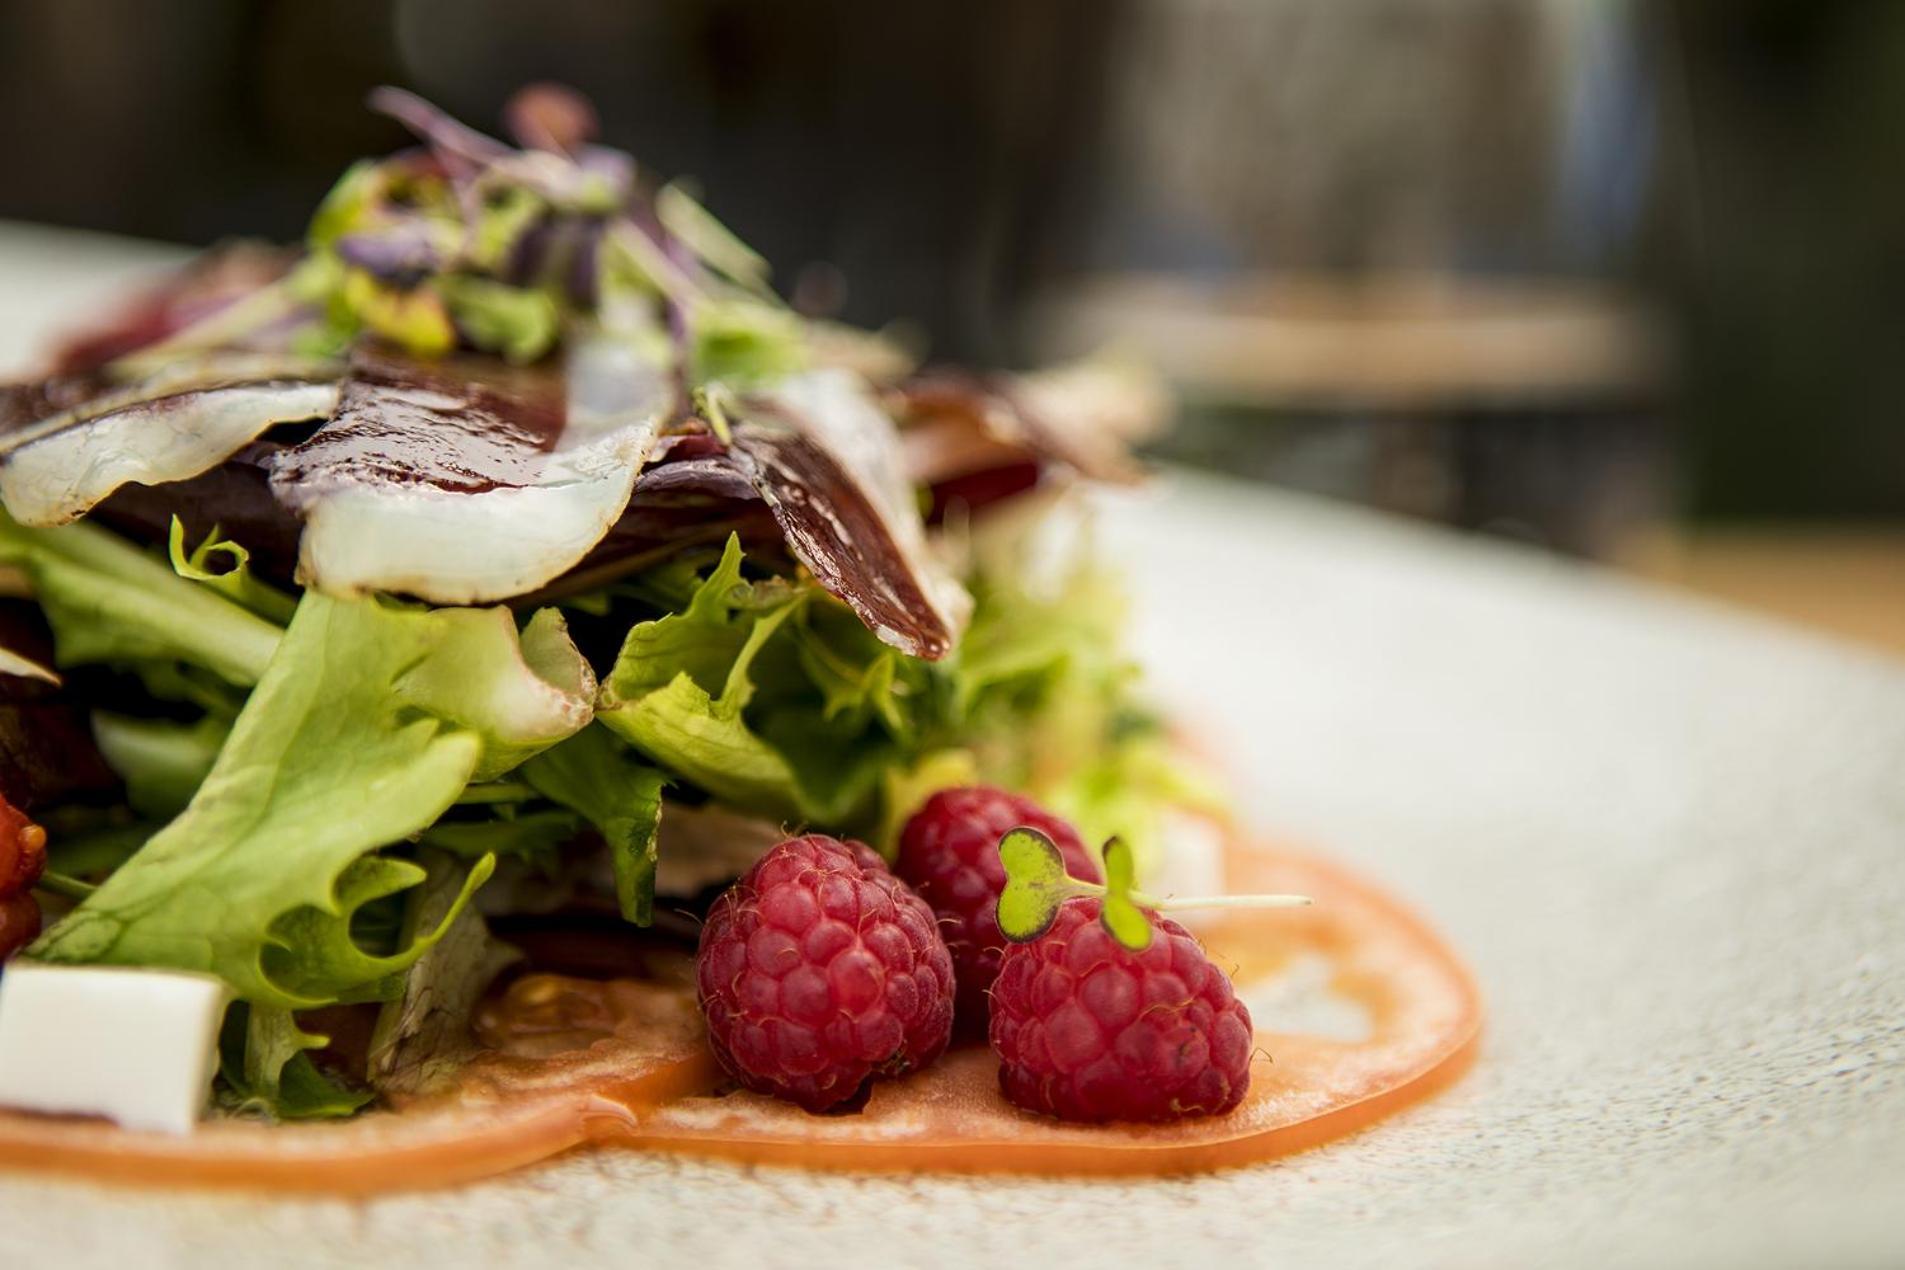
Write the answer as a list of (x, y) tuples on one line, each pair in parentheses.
[(707, 404), (1036, 885)]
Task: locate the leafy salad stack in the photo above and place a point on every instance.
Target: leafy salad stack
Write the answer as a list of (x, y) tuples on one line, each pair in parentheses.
[(511, 547)]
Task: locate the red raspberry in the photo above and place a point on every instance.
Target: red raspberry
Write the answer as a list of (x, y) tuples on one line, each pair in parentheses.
[(1087, 1029), (949, 852), (819, 971)]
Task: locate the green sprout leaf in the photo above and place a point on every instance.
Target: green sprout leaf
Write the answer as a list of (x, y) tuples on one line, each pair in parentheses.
[(351, 203), (1121, 914), (1035, 884)]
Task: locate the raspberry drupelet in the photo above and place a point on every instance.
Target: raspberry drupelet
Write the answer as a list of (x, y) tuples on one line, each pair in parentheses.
[(949, 853), (819, 971), (1087, 1029)]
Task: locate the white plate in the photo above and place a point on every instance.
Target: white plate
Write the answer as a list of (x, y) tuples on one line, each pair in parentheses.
[(1670, 837)]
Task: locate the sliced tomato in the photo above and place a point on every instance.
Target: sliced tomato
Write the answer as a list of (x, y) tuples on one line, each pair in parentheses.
[(502, 1111), (632, 1069), (1419, 1017)]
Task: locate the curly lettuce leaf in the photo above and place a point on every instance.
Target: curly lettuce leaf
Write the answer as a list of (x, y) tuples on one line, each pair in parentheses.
[(266, 1066), (235, 581), (681, 682), (108, 602), (315, 953), (366, 726), (773, 698), (593, 775), (162, 762), (424, 1035), (1046, 701), (521, 694)]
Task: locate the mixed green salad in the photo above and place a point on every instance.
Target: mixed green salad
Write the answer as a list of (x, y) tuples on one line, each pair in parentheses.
[(511, 545)]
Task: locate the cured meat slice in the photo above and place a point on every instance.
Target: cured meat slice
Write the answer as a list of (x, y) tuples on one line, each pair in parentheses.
[(827, 459), (465, 481), (54, 467)]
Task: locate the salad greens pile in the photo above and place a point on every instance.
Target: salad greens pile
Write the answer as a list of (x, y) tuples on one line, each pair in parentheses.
[(375, 732), (316, 786)]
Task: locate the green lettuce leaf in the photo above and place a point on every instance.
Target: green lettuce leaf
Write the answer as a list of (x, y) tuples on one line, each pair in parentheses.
[(424, 1035), (774, 698), (533, 836), (162, 763), (593, 775), (681, 682), (520, 324), (109, 602), (235, 582), (366, 726), (265, 1063), (743, 340), (521, 694)]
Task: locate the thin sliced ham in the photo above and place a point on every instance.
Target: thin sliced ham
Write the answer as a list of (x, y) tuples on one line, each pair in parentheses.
[(55, 467), (1086, 415), (466, 481), (827, 460)]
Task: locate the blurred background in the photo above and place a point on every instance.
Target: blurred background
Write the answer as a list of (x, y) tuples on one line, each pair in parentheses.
[(1624, 279)]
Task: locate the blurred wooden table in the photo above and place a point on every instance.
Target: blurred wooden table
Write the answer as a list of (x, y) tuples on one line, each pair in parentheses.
[(1409, 341), (1849, 581)]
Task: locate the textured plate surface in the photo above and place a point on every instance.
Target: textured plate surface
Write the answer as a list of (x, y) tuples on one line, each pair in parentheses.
[(1670, 838)]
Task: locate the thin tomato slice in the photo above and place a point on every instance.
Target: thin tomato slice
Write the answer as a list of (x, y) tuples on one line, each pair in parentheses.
[(1406, 1012), (500, 1112), (625, 1063)]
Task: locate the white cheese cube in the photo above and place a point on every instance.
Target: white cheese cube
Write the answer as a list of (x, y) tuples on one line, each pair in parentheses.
[(136, 1046)]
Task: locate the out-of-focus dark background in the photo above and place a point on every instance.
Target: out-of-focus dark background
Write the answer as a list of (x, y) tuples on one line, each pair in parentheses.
[(1626, 280)]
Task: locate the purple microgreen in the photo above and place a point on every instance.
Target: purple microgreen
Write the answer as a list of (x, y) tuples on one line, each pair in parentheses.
[(642, 248), (468, 149), (585, 265), (403, 254), (717, 246)]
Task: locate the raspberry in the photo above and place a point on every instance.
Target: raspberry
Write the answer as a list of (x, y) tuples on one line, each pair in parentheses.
[(1087, 1029), (949, 851), (819, 971)]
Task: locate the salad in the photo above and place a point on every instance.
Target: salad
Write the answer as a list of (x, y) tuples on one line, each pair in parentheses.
[(509, 569)]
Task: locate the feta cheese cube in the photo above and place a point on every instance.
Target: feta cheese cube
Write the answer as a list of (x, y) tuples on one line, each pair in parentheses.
[(136, 1046)]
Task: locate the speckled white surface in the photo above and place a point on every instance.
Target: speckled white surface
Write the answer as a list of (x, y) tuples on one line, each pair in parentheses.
[(1670, 837)]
